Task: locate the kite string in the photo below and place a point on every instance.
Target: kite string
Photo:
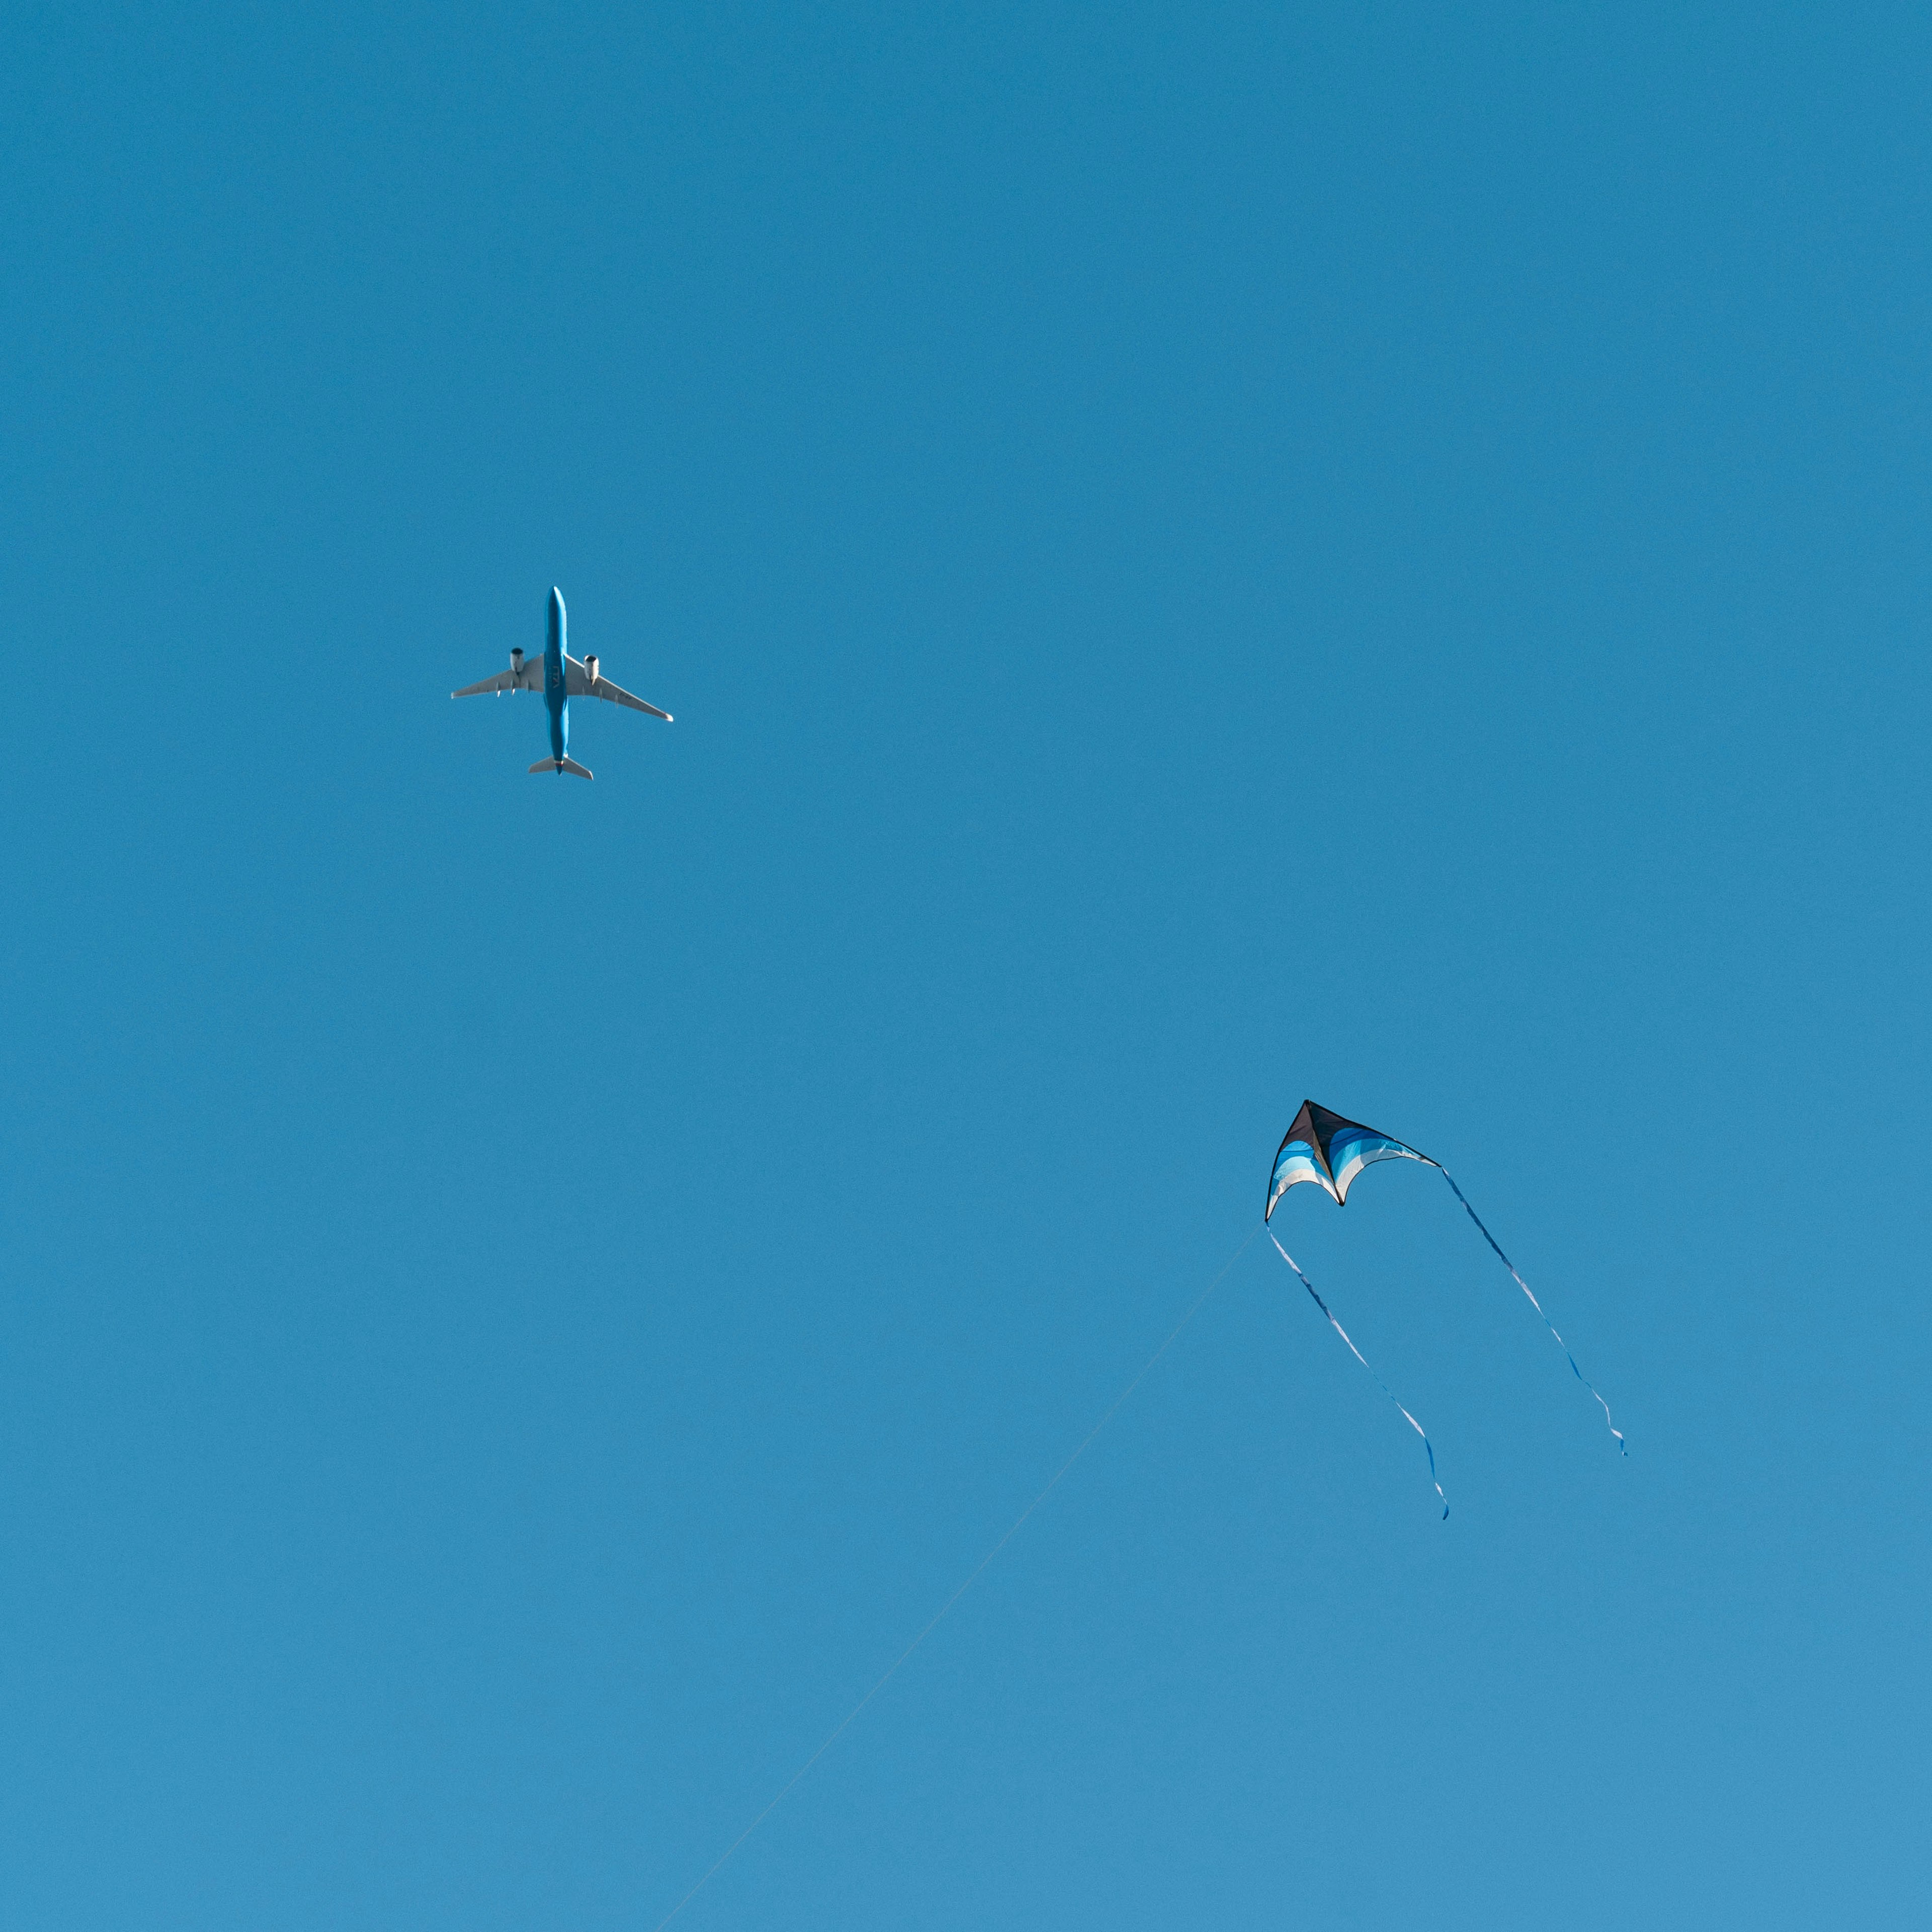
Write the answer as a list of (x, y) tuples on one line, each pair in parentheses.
[(1364, 1360), (1623, 1448), (972, 1577)]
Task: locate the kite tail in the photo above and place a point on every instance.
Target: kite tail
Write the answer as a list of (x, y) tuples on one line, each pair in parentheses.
[(1622, 1447), (1364, 1360)]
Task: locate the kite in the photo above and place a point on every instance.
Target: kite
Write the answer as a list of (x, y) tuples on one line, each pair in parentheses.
[(1323, 1149)]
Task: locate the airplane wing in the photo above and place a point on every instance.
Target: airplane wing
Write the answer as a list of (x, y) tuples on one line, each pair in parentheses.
[(530, 678), (577, 683)]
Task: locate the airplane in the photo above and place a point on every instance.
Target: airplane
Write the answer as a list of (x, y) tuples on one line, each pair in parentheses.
[(560, 677)]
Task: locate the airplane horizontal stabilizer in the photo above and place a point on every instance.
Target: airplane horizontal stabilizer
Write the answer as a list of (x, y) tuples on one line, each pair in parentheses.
[(562, 765)]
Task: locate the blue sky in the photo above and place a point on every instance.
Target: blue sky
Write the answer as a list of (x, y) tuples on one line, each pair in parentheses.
[(1202, 557)]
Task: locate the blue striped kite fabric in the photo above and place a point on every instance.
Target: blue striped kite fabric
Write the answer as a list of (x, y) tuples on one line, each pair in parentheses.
[(1325, 1148)]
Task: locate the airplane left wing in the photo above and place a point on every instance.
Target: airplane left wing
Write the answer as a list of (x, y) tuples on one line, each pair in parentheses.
[(579, 681), (527, 676)]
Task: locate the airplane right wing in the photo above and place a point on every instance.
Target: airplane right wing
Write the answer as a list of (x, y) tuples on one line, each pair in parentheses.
[(579, 682), (529, 676)]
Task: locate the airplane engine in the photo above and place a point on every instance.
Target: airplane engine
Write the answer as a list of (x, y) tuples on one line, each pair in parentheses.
[(516, 662), (590, 669)]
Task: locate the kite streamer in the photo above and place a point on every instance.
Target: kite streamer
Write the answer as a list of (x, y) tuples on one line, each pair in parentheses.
[(1427, 1449), (1622, 1447)]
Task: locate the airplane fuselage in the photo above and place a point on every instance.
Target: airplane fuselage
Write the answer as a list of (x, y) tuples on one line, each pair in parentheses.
[(556, 695)]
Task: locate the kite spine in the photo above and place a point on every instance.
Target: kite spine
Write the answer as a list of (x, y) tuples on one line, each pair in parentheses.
[(1427, 1449)]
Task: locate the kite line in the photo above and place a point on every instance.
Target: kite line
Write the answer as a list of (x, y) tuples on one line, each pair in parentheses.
[(1623, 1448), (973, 1576), (1364, 1360)]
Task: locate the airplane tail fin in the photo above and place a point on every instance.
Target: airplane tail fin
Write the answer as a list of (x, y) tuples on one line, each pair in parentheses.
[(562, 765)]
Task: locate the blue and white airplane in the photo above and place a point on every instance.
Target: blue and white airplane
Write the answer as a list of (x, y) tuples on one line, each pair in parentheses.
[(560, 677)]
